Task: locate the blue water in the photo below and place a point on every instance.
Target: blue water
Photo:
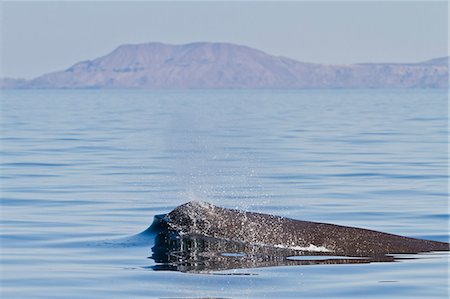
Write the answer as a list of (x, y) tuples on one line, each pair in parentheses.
[(82, 172)]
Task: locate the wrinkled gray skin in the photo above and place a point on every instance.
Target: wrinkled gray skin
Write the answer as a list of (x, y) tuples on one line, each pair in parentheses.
[(200, 218)]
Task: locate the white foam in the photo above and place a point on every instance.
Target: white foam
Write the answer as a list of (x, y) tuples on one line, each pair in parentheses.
[(311, 247)]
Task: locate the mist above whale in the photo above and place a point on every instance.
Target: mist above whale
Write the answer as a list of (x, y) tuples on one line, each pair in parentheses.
[(223, 65)]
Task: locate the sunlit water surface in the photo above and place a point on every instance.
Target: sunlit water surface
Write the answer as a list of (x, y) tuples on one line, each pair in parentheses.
[(82, 172)]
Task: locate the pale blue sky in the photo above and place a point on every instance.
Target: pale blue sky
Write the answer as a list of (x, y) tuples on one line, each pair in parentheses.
[(39, 37)]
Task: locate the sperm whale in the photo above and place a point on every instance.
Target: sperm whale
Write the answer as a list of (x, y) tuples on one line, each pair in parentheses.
[(204, 219)]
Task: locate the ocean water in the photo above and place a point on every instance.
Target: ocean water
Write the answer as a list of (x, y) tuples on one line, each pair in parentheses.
[(84, 171)]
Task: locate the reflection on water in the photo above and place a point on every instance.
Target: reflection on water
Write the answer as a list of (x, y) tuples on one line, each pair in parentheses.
[(200, 254)]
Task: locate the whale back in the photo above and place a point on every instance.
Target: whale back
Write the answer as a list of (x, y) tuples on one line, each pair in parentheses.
[(204, 219)]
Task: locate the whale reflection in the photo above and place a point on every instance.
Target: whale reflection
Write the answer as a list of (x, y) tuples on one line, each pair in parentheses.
[(200, 254)]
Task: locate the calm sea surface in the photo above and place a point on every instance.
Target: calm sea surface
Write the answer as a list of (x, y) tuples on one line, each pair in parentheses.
[(83, 172)]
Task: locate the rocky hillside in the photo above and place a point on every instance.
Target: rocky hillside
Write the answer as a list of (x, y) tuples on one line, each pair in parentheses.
[(221, 65)]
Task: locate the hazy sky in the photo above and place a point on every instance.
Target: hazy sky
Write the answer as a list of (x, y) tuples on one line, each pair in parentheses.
[(39, 37)]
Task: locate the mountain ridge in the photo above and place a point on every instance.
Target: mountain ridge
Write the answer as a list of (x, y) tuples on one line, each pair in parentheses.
[(198, 65)]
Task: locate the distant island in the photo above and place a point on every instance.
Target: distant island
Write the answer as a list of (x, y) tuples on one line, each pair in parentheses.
[(222, 65)]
